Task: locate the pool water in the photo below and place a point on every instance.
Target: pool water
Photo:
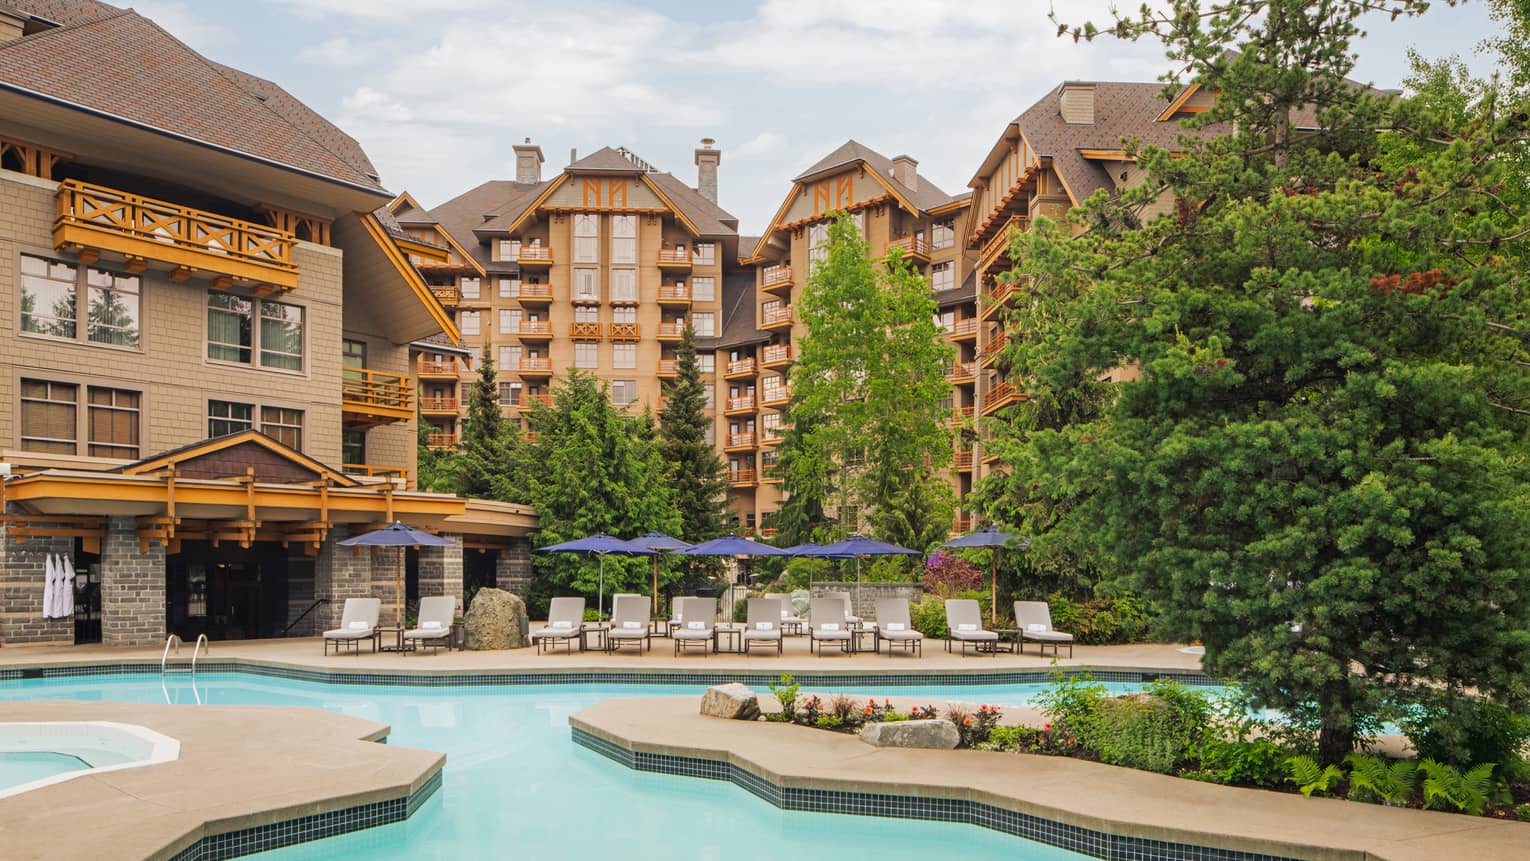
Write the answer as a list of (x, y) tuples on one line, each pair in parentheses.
[(516, 784), (24, 767)]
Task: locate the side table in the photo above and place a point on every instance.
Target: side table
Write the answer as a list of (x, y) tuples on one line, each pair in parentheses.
[(728, 638), (599, 633), (398, 639)]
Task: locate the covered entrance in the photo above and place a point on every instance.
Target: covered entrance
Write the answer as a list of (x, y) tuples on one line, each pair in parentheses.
[(228, 593)]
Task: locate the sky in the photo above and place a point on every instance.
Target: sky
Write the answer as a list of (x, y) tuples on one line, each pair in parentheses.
[(437, 91)]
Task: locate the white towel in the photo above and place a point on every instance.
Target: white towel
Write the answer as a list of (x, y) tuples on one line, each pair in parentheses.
[(830, 626), (764, 626), (631, 626), (966, 627), (50, 586), (67, 593), (894, 626), (563, 624), (1036, 628), (430, 625), (358, 626), (695, 626)]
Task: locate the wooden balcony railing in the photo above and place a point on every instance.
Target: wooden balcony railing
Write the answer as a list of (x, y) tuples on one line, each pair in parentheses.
[(539, 365), (530, 399), (530, 437), (776, 354), (191, 240), (534, 329), (961, 525), (960, 415), (995, 299), (447, 294), (741, 477), (999, 396), (962, 460), (441, 440), (534, 254), (962, 330), (671, 331), (994, 348), (740, 440), (376, 471), (743, 403), (962, 372), (773, 315), (439, 405), (771, 395), (769, 532), (370, 397), (584, 330), (674, 294), (1000, 239), (669, 367), (770, 473), (534, 292), (437, 367), (625, 332), (740, 368), (775, 276), (912, 246), (674, 257)]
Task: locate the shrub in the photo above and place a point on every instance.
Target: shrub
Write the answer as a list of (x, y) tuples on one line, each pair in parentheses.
[(786, 694), (1155, 731), (1101, 621), (974, 727), (1377, 779), (1011, 738), (1446, 786), (1463, 731), (741, 610), (1259, 762), (1523, 812), (929, 617), (1310, 778), (946, 575)]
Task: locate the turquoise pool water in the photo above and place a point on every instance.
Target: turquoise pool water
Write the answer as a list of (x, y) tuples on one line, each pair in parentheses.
[(517, 786), (19, 768)]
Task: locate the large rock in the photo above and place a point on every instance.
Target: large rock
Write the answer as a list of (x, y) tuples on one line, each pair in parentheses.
[(932, 734), (497, 620), (731, 702)]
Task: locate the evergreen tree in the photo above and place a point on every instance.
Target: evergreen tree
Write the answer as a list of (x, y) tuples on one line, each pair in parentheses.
[(1320, 473), (434, 470), (696, 472), (485, 464)]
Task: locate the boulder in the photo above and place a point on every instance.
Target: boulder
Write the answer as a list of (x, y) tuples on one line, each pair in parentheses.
[(496, 620), (730, 702), (932, 734)]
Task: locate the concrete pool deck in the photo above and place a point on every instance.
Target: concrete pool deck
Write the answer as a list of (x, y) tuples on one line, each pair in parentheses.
[(245, 774), (1081, 795)]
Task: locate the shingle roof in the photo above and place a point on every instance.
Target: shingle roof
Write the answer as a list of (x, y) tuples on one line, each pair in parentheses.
[(746, 245), (410, 215), (604, 160), (142, 73), (440, 342), (709, 218), (927, 196), (465, 213), (738, 311), (957, 295)]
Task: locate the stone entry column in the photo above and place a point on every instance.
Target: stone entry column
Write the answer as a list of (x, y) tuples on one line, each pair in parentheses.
[(339, 573), (21, 589), (512, 567), (132, 587), (441, 569)]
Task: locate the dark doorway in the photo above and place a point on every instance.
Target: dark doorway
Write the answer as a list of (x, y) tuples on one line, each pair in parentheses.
[(226, 592), (87, 595), (480, 568)]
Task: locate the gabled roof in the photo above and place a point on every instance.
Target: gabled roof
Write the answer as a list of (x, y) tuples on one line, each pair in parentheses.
[(604, 160), (738, 293), (465, 213), (139, 73), (210, 447), (925, 197)]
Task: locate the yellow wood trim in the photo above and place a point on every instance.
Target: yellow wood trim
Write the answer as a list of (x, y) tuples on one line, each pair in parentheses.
[(169, 460), (462, 252), (396, 203), (902, 201), (675, 210), (410, 275), (234, 495), (775, 220), (1178, 103), (953, 206), (535, 204), (1106, 155), (424, 249)]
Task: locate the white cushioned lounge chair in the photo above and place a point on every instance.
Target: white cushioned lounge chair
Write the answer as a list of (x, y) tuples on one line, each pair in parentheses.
[(829, 625), (629, 623), (358, 622), (763, 627), (433, 628), (895, 628), (693, 625), (1034, 619), (964, 622), (565, 620)]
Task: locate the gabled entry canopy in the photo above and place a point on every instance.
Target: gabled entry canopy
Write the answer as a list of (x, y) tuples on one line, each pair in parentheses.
[(247, 452)]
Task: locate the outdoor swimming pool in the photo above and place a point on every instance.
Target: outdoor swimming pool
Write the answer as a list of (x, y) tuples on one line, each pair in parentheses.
[(515, 784)]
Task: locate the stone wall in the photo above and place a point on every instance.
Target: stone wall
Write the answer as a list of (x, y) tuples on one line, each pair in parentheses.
[(863, 598), (340, 573), (512, 567), (441, 570), (21, 590), (132, 587)]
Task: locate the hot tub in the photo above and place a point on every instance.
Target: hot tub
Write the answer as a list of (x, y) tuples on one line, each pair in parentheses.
[(38, 754)]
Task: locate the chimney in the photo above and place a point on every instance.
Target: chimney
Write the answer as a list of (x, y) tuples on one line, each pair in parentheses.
[(906, 171), (707, 160), (1077, 103), (573, 154), (528, 162)]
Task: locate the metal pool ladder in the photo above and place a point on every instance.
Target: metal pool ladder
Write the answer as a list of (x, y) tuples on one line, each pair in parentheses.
[(174, 641)]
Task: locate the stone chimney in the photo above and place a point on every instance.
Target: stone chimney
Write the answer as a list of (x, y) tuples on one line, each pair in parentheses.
[(528, 162), (707, 160), (1077, 103), (906, 171)]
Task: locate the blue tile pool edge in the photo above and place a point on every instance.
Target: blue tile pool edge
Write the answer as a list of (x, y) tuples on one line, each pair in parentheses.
[(1086, 841), (317, 826), (656, 676)]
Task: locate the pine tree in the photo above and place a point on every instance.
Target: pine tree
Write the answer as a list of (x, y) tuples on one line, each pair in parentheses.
[(696, 472), (485, 465)]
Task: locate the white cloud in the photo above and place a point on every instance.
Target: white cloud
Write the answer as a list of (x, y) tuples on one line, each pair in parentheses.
[(339, 51), (762, 144), (416, 10), (204, 35)]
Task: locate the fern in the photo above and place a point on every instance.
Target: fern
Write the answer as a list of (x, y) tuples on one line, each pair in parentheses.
[(1446, 785), (1310, 778), (1374, 777)]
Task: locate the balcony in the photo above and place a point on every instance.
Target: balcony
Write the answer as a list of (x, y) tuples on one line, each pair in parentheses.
[(439, 406), (668, 368), (742, 478), (740, 404), (775, 396), (994, 348), (1000, 396), (369, 470), (965, 330), (739, 441), (996, 299), (534, 330), (530, 437), (998, 242), (962, 373), (437, 368), (961, 525), (370, 398), (740, 368), (534, 255), (775, 316), (961, 415), (534, 294), (776, 279), (913, 247), (447, 294), (93, 218), (534, 366), (675, 295), (770, 473), (962, 460), (671, 332), (584, 330), (773, 434), (530, 400), (768, 532), (439, 441), (625, 332), (674, 258), (776, 356)]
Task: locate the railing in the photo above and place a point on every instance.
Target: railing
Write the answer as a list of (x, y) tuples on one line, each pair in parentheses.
[(775, 315), (446, 294), (1000, 237), (962, 459), (913, 246), (740, 366), (961, 525), (527, 399), (437, 367), (376, 393), (741, 477), (671, 331), (438, 405), (965, 328), (534, 254), (584, 330), (375, 471), (303, 615), (962, 371), (962, 414), (669, 367), (534, 328), (97, 216), (534, 291), (531, 437), (674, 293), (164, 658), (772, 433), (441, 440), (998, 396), (674, 257), (740, 404), (741, 440), (776, 275), (776, 353), (534, 365), (775, 394), (994, 348), (769, 532), (625, 332)]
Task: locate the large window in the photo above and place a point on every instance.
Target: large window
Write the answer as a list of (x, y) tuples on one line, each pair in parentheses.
[(624, 356), (50, 302), (587, 285), (283, 425), (943, 234), (624, 314), (281, 336), (353, 447), (226, 417), (704, 254), (509, 288), (703, 289), (709, 392), (230, 332), (509, 358), (112, 429), (624, 239), (586, 314), (586, 238), (707, 362), (624, 285), (229, 327), (623, 392), (472, 288), (467, 321), (49, 416), (941, 277), (508, 321), (705, 324), (584, 354), (509, 394)]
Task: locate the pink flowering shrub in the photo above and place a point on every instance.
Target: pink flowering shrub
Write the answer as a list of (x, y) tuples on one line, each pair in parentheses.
[(947, 575)]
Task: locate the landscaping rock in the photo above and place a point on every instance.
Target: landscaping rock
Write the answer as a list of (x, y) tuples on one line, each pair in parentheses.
[(932, 734), (730, 702), (497, 620)]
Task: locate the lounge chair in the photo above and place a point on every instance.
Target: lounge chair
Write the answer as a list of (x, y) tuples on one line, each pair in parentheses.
[(829, 625), (964, 623), (693, 624), (358, 622), (790, 621), (629, 623), (849, 608), (434, 626), (565, 621), (1034, 619), (895, 628), (764, 624)]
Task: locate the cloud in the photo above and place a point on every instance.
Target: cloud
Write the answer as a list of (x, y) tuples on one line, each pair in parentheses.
[(204, 35), (416, 10), (339, 51), (762, 144)]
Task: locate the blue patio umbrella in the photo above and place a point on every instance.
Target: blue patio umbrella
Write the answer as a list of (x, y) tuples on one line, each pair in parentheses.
[(857, 546), (659, 543), (993, 538), (732, 545), (398, 535), (601, 545), (810, 550)]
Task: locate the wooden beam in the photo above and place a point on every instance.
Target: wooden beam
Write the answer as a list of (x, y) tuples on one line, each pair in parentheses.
[(181, 273), (135, 264)]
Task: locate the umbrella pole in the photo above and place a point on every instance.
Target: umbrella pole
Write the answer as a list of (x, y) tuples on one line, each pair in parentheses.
[(398, 586), (600, 594), (993, 585), (656, 585)]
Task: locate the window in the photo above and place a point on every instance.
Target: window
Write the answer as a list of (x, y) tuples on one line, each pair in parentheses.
[(507, 249), (624, 355), (711, 395), (226, 417), (509, 393), (818, 238), (943, 234), (509, 358), (624, 314), (353, 447), (468, 322), (705, 253), (704, 289), (624, 285), (707, 362), (48, 297), (228, 327), (509, 288), (586, 285), (283, 425), (945, 320), (704, 322), (281, 336), (229, 332), (48, 416), (509, 321), (586, 238), (112, 308), (584, 354), (50, 302), (941, 277), (711, 435), (586, 314), (470, 288), (623, 392), (353, 354), (624, 239), (112, 429)]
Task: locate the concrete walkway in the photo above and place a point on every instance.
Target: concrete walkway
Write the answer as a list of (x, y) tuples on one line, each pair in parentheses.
[(1078, 793)]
